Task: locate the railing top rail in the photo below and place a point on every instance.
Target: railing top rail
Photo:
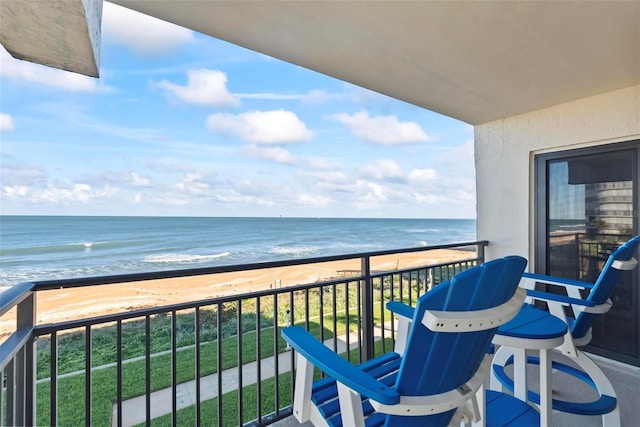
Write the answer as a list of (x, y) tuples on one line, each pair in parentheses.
[(14, 296), (132, 314), (12, 345), (171, 274)]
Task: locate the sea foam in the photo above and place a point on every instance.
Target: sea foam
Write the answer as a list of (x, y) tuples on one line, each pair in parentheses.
[(183, 258)]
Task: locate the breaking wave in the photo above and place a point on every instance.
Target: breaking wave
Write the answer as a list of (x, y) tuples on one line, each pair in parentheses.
[(183, 258)]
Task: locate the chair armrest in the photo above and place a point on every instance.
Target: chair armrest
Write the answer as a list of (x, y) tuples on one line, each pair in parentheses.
[(404, 313), (337, 367), (558, 281), (400, 309), (564, 300), (578, 305)]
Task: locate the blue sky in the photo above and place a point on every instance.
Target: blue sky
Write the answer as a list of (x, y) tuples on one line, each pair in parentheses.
[(183, 124)]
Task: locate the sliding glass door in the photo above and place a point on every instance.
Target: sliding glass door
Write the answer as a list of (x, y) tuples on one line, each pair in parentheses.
[(587, 206)]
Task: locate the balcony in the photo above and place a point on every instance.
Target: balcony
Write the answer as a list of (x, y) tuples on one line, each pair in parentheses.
[(215, 361)]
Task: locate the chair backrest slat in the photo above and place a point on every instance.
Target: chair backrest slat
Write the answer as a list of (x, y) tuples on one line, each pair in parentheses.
[(435, 362)]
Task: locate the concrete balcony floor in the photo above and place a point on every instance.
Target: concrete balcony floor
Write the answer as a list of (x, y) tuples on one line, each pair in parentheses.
[(625, 379)]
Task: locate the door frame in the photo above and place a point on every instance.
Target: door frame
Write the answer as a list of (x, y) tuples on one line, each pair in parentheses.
[(541, 220)]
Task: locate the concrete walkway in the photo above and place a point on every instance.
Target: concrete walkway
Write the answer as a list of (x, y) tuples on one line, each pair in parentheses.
[(134, 410)]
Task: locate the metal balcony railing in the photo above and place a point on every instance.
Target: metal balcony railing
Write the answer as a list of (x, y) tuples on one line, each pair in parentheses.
[(216, 361)]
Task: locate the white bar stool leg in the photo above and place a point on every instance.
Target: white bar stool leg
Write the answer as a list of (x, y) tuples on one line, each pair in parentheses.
[(520, 373), (545, 388)]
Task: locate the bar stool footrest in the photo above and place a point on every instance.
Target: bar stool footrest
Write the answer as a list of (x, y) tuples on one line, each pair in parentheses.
[(603, 405)]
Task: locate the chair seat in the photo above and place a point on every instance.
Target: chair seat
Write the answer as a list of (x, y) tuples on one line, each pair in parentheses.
[(502, 409), (532, 323), (506, 410), (324, 393)]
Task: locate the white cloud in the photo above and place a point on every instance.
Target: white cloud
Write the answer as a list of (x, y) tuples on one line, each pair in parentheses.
[(28, 72), (233, 196), (383, 130), (269, 96), (138, 181), (262, 127), (383, 169), (14, 173), (371, 192), (314, 200), (317, 96), (275, 154), (81, 193), (422, 176), (450, 184), (314, 96), (325, 176), (193, 184), (15, 191), (6, 123), (143, 34), (323, 163), (204, 87)]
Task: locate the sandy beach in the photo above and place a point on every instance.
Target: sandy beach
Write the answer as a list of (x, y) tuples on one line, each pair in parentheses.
[(67, 304)]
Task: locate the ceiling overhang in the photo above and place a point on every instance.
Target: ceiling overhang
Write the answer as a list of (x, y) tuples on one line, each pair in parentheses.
[(474, 61)]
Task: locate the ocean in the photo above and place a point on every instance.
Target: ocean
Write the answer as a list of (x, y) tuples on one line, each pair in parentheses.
[(61, 247)]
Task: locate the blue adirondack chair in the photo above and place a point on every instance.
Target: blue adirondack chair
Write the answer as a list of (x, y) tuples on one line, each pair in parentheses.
[(583, 312), (432, 377)]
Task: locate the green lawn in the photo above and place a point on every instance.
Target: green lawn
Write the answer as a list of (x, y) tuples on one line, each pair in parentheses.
[(230, 415)]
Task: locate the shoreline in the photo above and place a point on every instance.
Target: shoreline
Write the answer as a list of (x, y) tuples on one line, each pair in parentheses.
[(55, 306)]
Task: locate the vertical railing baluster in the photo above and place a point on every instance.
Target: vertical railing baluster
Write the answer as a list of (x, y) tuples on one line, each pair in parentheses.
[(19, 384), (347, 315), (219, 366), (54, 379), (321, 311), (383, 321), (367, 290), (197, 362), (384, 326), (3, 413), (359, 320), (306, 308), (11, 392), (411, 288), (87, 376), (239, 332), (174, 368), (147, 367), (335, 319), (291, 353), (276, 359), (119, 370), (259, 361), (25, 403), (480, 252)]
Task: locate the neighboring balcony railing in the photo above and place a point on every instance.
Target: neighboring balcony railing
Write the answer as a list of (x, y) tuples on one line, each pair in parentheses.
[(216, 361)]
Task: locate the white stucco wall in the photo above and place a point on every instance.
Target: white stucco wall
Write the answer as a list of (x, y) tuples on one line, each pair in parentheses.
[(504, 153)]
